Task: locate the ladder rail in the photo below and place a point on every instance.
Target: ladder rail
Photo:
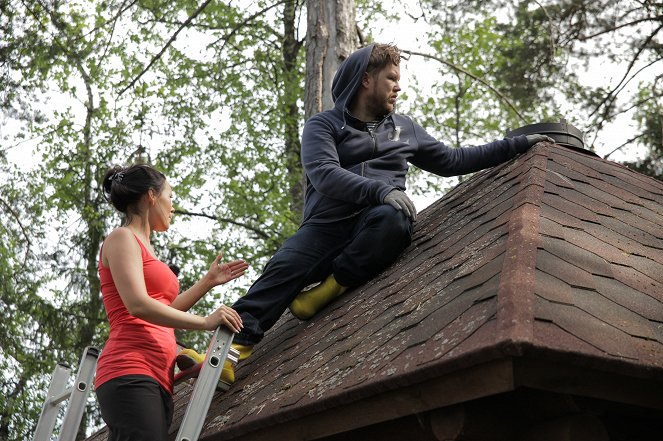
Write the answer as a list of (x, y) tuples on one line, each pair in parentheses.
[(79, 394), (205, 387), (218, 351), (58, 393), (49, 411)]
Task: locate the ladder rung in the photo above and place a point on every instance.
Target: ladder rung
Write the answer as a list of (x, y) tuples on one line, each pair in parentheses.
[(60, 398), (233, 355)]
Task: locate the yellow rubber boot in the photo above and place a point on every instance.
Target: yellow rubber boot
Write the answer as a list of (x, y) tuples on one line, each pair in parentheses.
[(228, 371), (309, 302), (188, 358)]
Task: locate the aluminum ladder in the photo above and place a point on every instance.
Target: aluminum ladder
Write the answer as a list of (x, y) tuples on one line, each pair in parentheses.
[(210, 372), (77, 396)]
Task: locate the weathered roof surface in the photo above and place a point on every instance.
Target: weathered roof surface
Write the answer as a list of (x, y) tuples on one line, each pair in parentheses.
[(557, 255), (555, 258)]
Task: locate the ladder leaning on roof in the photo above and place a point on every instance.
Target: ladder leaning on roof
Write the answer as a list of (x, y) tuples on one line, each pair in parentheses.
[(218, 350), (77, 395), (208, 378)]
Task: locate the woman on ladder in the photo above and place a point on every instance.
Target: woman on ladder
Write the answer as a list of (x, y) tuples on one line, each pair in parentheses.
[(134, 381)]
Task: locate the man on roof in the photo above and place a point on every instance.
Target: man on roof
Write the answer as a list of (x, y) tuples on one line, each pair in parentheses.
[(357, 217)]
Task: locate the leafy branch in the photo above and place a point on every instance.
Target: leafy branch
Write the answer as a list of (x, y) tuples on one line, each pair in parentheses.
[(170, 41), (260, 233), (457, 68), (23, 229)]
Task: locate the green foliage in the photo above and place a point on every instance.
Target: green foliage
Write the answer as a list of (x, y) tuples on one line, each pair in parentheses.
[(529, 66), (530, 51), (207, 112), (34, 331), (88, 84), (649, 116)]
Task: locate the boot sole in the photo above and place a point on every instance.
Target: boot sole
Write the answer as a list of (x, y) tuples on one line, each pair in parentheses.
[(194, 372)]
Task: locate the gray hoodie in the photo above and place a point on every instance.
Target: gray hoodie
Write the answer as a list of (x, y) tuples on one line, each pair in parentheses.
[(349, 168)]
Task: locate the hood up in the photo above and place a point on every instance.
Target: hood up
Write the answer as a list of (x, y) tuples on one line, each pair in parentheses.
[(348, 77)]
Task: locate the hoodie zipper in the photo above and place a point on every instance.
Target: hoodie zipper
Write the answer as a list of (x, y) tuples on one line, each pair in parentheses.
[(375, 142), (371, 133)]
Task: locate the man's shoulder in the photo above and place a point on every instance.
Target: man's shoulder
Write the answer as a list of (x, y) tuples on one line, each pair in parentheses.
[(399, 117), (322, 125), (327, 116)]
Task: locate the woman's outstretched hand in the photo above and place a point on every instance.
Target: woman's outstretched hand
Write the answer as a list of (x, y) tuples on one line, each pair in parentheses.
[(220, 273)]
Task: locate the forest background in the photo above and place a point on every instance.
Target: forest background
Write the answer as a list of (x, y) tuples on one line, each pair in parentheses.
[(213, 93)]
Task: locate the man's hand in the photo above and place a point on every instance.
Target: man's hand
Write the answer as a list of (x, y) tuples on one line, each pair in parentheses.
[(400, 201), (533, 139)]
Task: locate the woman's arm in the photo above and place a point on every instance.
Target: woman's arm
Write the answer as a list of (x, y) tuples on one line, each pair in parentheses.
[(123, 255), (217, 274)]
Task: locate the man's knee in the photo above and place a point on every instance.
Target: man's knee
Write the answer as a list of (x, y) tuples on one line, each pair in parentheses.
[(393, 223)]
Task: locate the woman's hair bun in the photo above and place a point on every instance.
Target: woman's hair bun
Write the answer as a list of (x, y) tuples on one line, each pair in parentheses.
[(124, 186)]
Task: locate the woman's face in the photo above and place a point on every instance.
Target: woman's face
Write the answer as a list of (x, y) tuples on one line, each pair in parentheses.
[(161, 213)]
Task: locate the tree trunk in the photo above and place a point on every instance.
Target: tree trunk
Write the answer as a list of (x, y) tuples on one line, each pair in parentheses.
[(332, 36), (291, 95), (93, 307)]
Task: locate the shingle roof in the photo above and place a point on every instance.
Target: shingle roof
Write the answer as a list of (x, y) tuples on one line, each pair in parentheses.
[(554, 260)]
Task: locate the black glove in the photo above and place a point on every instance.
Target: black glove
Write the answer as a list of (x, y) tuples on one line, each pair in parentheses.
[(400, 201), (533, 139)]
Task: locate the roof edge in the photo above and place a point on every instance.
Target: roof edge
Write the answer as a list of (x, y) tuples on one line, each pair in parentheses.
[(489, 371)]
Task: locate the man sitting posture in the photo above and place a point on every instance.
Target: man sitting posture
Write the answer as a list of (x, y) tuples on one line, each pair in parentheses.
[(357, 218)]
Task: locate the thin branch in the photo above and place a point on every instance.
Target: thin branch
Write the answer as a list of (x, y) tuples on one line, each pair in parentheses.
[(256, 230), (637, 73), (628, 70), (634, 105), (623, 25), (360, 35), (23, 230), (112, 20), (599, 122), (473, 76), (186, 23), (248, 19), (635, 138), (552, 28), (111, 33)]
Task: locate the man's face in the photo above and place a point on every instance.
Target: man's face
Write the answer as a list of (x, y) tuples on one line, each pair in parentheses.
[(383, 90)]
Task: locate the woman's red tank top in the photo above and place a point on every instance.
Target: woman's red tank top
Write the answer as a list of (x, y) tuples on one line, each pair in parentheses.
[(134, 346)]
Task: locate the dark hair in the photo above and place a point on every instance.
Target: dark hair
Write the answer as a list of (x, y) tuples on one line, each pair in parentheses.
[(382, 56), (124, 186)]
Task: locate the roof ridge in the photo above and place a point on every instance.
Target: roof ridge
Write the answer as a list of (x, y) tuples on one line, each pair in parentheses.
[(515, 293)]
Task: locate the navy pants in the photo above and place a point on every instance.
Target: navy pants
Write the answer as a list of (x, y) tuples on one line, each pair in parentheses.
[(353, 250)]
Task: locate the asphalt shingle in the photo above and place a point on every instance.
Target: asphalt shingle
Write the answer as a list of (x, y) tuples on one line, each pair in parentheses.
[(558, 251)]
